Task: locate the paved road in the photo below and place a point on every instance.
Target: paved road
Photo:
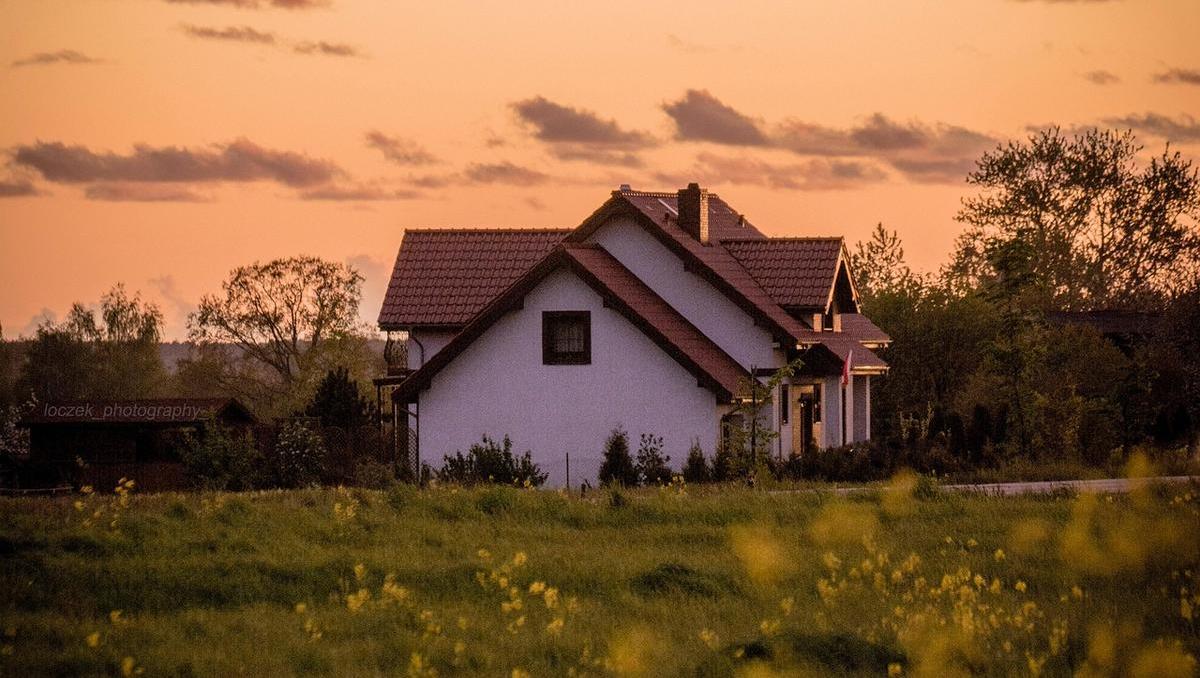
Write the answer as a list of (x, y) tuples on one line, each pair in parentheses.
[(1108, 485)]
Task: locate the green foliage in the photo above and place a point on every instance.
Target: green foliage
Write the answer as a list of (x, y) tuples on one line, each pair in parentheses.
[(221, 458), (696, 468), (652, 465), (115, 357), (618, 467), (338, 401), (299, 455), (489, 462), (209, 584)]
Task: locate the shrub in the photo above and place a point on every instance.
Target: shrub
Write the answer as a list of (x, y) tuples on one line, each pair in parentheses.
[(299, 455), (488, 462), (618, 468), (695, 469), (221, 458), (652, 464), (374, 475)]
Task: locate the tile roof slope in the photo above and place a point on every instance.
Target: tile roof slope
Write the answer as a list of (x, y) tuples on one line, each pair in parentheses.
[(723, 221), (443, 277), (796, 272), (654, 310), (725, 265)]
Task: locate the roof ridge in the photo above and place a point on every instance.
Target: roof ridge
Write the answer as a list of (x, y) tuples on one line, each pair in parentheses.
[(486, 229), (785, 238)]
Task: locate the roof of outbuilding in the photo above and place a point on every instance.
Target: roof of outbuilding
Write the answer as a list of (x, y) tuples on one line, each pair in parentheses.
[(444, 276), (795, 272), (622, 291)]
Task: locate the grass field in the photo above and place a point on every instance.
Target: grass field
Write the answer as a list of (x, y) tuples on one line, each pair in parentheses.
[(506, 582)]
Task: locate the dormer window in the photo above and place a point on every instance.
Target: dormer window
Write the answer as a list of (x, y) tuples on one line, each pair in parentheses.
[(566, 337)]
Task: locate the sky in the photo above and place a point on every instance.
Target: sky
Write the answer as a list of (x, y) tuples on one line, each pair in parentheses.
[(161, 143)]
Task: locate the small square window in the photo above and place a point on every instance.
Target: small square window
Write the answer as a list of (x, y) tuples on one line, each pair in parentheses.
[(566, 337)]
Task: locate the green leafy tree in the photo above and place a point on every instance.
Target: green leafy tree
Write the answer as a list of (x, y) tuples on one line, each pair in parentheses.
[(280, 326), (221, 458), (1100, 230), (879, 266), (696, 469), (299, 455)]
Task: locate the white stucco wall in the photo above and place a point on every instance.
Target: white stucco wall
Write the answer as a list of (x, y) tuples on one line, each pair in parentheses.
[(723, 321), (831, 412), (499, 386), (431, 340)]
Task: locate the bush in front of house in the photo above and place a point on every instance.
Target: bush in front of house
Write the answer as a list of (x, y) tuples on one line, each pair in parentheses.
[(652, 465), (221, 458), (695, 469), (618, 467), (299, 455), (489, 462)]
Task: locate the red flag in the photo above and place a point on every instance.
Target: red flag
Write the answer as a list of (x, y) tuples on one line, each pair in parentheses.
[(846, 367)]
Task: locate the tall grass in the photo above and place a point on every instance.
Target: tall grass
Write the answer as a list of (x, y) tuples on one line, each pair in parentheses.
[(714, 581)]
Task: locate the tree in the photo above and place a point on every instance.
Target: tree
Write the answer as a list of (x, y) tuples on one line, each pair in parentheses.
[(652, 465), (618, 467), (879, 265), (113, 357), (695, 469), (338, 401), (1103, 232), (489, 462), (289, 319)]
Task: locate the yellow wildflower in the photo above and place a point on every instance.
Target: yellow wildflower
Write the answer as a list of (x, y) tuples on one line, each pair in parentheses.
[(998, 555), (93, 639), (519, 559), (537, 587), (520, 673), (301, 608), (709, 638), (894, 669), (1020, 586), (555, 627), (360, 572)]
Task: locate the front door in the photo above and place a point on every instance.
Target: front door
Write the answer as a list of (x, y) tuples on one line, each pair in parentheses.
[(803, 416)]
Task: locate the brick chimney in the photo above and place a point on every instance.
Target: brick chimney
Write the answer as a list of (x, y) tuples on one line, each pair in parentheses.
[(693, 212)]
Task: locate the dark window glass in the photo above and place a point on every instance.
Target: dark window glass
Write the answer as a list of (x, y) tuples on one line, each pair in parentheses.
[(566, 337), (785, 404)]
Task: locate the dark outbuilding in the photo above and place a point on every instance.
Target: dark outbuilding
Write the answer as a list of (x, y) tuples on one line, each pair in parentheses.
[(99, 442)]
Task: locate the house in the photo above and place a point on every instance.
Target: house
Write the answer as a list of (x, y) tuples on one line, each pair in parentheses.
[(98, 442), (652, 315)]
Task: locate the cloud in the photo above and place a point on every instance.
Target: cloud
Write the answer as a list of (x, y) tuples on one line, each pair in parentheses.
[(503, 173), (62, 56), (183, 307), (320, 47), (135, 192), (1184, 129), (555, 123), (399, 151), (699, 116), (1101, 77), (257, 4), (17, 188), (534, 202), (238, 161), (579, 134), (1184, 76), (357, 192), (920, 151), (230, 34), (810, 175)]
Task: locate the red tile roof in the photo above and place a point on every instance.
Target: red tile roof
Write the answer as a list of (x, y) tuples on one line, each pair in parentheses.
[(623, 292), (443, 277), (795, 272), (723, 221)]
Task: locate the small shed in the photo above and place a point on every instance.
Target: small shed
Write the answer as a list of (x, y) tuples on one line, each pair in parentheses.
[(99, 442)]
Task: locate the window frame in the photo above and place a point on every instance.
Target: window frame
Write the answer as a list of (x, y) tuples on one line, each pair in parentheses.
[(552, 357)]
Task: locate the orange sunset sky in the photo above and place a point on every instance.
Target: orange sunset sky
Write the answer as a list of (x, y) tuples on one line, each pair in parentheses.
[(160, 143)]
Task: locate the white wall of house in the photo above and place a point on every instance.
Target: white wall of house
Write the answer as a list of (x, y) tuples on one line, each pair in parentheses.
[(499, 386), (831, 412), (723, 321), (862, 408), (431, 340)]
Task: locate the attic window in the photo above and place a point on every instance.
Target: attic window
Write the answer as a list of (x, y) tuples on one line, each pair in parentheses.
[(566, 337)]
